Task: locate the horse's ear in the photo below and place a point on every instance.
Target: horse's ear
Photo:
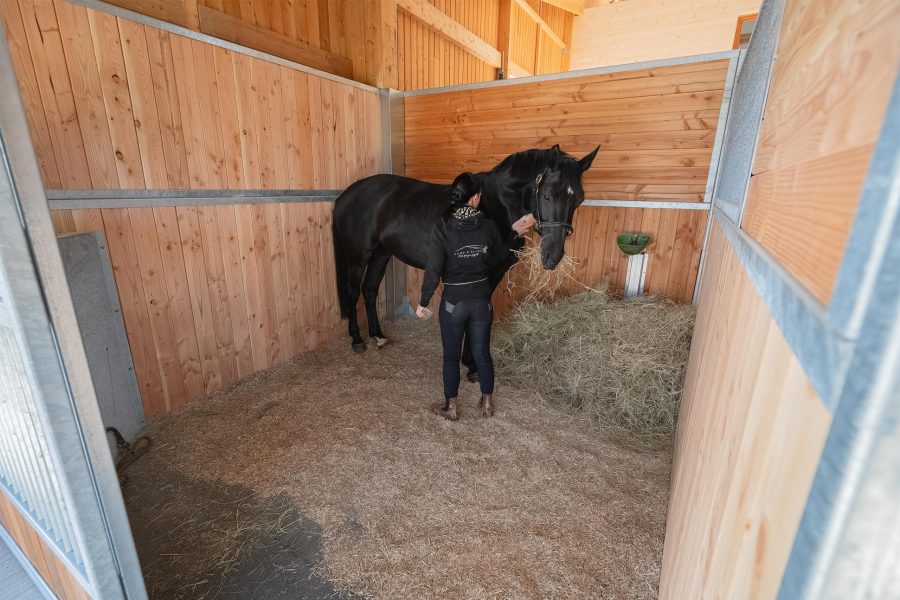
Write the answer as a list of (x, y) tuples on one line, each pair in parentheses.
[(555, 153), (585, 162)]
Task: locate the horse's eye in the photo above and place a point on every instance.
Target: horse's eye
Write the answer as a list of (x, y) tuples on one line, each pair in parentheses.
[(546, 196)]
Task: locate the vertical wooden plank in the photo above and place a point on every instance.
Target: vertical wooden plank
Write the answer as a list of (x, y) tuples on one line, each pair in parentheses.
[(247, 119), (265, 284), (662, 253), (328, 291), (256, 315), (229, 120), (84, 76), (600, 217), (297, 290), (143, 104), (290, 126), (234, 282), (696, 253), (168, 110), (680, 272), (259, 86), (127, 271), (328, 128), (317, 135), (156, 297), (220, 306), (201, 305), (312, 18), (116, 98), (46, 93), (276, 117), (191, 118), (339, 122), (281, 288), (303, 137), (211, 119)]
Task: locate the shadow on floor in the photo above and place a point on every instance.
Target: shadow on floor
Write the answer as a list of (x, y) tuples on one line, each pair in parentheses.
[(207, 541)]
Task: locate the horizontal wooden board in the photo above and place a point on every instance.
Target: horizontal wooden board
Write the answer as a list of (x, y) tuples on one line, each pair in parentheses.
[(750, 433), (835, 69)]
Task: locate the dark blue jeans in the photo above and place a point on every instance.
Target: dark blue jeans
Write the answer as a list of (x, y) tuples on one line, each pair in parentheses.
[(473, 318)]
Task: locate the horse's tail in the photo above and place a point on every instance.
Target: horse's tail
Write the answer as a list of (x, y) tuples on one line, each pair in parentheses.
[(340, 270)]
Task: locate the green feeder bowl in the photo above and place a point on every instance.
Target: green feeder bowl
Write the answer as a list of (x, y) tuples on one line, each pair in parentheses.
[(632, 243)]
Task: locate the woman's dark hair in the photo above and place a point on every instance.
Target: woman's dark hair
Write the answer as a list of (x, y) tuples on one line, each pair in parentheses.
[(463, 187)]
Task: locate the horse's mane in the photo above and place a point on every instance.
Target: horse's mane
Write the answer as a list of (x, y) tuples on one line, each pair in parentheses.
[(536, 160)]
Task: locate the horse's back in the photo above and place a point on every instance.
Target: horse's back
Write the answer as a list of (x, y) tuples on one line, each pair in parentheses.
[(394, 211)]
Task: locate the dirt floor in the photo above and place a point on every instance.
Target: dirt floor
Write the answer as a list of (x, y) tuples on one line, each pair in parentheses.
[(329, 477)]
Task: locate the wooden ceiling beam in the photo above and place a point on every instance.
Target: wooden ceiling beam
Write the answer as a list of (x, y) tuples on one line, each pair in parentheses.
[(523, 4), (440, 22)]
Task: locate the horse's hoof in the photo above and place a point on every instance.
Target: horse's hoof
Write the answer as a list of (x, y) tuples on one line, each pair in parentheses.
[(473, 376), (450, 413), (359, 348), (381, 342)]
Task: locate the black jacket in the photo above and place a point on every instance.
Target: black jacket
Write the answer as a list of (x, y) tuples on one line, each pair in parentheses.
[(463, 253)]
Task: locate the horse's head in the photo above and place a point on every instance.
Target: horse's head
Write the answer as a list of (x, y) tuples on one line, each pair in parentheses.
[(555, 194)]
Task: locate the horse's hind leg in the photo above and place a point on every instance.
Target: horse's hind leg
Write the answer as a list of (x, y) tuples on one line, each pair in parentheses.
[(374, 275), (354, 278)]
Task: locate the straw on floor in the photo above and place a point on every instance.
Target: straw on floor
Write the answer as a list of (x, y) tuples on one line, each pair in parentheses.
[(533, 503)]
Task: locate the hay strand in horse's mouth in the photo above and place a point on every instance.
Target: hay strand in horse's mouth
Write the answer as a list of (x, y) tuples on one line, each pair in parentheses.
[(540, 283)]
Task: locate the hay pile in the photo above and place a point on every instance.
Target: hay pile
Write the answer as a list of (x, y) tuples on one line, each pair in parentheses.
[(619, 362)]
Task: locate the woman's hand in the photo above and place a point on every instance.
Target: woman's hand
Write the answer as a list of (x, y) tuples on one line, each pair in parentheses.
[(524, 224), (422, 312)]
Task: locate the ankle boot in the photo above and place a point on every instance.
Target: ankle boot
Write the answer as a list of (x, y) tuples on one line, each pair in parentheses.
[(446, 409), (487, 405)]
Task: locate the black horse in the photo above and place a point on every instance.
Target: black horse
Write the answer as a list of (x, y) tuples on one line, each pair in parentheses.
[(388, 215)]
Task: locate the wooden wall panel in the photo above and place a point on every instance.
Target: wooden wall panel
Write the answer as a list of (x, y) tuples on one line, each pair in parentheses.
[(53, 571), (115, 104), (750, 433), (210, 294), (656, 129), (615, 33), (835, 69)]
